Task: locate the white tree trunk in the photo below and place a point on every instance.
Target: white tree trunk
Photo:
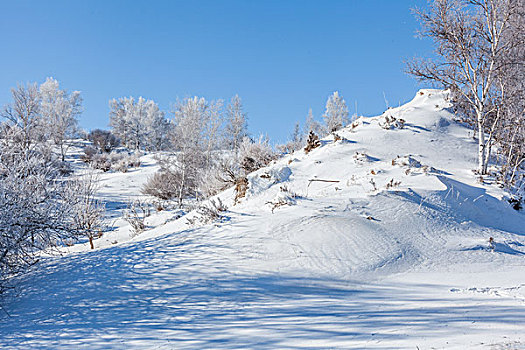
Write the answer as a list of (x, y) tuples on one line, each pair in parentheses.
[(481, 145)]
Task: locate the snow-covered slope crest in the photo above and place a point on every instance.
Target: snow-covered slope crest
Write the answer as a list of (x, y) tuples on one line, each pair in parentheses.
[(395, 193)]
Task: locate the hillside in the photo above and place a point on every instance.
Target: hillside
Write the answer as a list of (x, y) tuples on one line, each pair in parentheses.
[(378, 240)]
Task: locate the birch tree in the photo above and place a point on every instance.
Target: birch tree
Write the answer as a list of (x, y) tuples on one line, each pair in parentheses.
[(187, 138), (469, 39)]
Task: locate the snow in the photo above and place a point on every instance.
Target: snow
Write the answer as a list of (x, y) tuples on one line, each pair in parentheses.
[(394, 253)]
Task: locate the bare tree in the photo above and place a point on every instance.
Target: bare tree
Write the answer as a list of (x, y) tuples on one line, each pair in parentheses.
[(87, 210), (469, 36)]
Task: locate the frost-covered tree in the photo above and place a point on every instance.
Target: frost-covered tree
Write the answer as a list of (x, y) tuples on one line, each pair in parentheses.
[(187, 138), (212, 128), (473, 39), (336, 113), (59, 111), (236, 123), (139, 124), (255, 154), (312, 125), (156, 127), (295, 142), (23, 115), (34, 211)]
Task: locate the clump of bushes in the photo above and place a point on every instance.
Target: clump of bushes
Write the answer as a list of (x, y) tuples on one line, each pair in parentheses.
[(164, 184), (121, 162)]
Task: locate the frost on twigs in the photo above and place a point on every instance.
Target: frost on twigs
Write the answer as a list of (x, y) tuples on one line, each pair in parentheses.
[(312, 142), (136, 214), (120, 162), (162, 184), (88, 211)]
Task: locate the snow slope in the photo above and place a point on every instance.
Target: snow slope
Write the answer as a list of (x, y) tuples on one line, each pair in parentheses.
[(393, 252)]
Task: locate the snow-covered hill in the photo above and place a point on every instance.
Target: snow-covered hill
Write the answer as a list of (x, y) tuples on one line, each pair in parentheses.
[(377, 240)]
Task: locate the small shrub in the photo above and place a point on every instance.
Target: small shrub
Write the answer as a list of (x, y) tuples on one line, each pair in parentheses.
[(101, 161), (392, 184), (136, 215), (391, 122), (284, 197), (241, 186), (209, 213), (88, 218), (312, 142), (163, 184)]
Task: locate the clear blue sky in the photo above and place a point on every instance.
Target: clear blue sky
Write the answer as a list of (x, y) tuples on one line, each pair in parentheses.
[(282, 57)]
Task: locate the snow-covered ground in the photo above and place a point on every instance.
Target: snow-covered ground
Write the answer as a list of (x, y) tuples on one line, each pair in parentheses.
[(393, 253)]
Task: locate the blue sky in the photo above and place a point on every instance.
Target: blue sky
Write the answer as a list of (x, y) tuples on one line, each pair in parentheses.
[(282, 57)]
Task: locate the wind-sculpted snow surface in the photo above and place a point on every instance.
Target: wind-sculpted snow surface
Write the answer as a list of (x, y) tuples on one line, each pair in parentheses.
[(390, 242)]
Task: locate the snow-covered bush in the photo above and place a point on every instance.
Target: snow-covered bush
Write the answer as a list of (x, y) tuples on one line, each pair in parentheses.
[(296, 142), (254, 155), (122, 162), (284, 197), (164, 184), (110, 161)]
